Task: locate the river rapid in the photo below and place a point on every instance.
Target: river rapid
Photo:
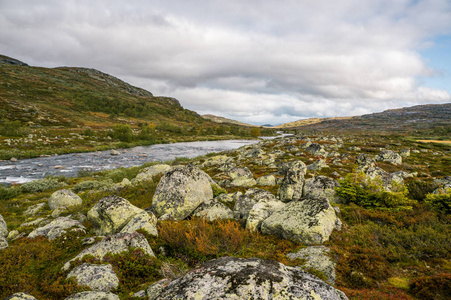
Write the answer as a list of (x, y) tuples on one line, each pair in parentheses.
[(70, 164)]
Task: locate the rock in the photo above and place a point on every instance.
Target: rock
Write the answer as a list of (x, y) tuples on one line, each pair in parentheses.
[(293, 182), (123, 184), (34, 209), (3, 243), (145, 221), (242, 177), (64, 198), (97, 277), (307, 221), (316, 150), (13, 159), (20, 296), (405, 153), (267, 180), (229, 198), (245, 202), (114, 152), (317, 257), (365, 161), (148, 173), (3, 227), (317, 165), (118, 243), (155, 289), (181, 191), (389, 156), (213, 210), (93, 296), (110, 214), (321, 187), (252, 278), (12, 235), (262, 210), (36, 222), (216, 161), (56, 228)]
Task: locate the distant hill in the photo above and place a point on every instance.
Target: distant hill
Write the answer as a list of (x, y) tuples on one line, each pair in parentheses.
[(223, 120), (409, 119)]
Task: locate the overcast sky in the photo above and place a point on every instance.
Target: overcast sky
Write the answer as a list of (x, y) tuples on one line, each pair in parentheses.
[(257, 61)]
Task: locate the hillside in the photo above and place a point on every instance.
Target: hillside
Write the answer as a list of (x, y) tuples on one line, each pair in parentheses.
[(67, 109), (222, 120), (416, 119)]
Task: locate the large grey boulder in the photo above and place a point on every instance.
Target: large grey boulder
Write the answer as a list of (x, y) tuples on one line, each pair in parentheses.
[(316, 150), (241, 177), (181, 191), (144, 221), (267, 180), (213, 210), (245, 202), (21, 296), (216, 161), (57, 228), (389, 156), (293, 181), (97, 277), (321, 187), (118, 243), (306, 221), (317, 165), (229, 198), (64, 198), (93, 296), (148, 173), (317, 257), (262, 210), (110, 214), (253, 278), (3, 227)]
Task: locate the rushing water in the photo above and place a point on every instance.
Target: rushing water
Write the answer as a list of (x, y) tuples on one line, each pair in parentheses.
[(70, 164)]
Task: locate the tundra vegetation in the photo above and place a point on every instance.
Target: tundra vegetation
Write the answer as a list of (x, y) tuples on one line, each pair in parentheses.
[(394, 241)]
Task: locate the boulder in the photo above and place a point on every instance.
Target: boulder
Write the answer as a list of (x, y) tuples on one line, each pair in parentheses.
[(213, 210), (3, 242), (293, 181), (114, 152), (110, 214), (262, 210), (267, 180), (245, 202), (181, 191), (242, 177), (316, 150), (145, 221), (317, 165), (20, 296), (56, 228), (64, 198), (97, 277), (321, 187), (252, 278), (389, 156), (229, 198), (93, 296), (34, 209), (306, 221), (405, 153), (216, 161), (148, 173), (316, 257), (3, 227), (365, 161), (118, 243)]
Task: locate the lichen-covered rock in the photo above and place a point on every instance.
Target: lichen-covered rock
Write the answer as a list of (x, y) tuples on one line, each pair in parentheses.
[(229, 198), (213, 210), (242, 177), (97, 277), (21, 296), (145, 221), (114, 244), (3, 243), (181, 191), (293, 181), (321, 187), (110, 214), (253, 278), (267, 180), (261, 210), (317, 257), (216, 161), (245, 202), (3, 227), (148, 173), (64, 198), (317, 165), (316, 150), (389, 156), (404, 153), (154, 290), (56, 228), (306, 221), (93, 296), (34, 209)]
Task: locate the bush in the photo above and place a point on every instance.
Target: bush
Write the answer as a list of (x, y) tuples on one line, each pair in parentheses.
[(436, 287), (45, 184), (441, 201), (12, 128), (122, 132), (92, 185), (8, 193)]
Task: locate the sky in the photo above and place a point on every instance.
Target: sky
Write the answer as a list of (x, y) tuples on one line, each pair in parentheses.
[(256, 61)]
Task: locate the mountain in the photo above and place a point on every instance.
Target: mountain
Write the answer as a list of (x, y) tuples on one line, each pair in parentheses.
[(409, 119), (222, 120)]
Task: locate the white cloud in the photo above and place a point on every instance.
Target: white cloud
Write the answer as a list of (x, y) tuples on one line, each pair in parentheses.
[(257, 61)]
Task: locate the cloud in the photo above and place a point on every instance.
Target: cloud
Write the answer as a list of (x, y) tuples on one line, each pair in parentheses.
[(260, 62)]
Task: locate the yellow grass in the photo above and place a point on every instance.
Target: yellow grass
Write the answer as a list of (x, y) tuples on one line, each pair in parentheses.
[(434, 141)]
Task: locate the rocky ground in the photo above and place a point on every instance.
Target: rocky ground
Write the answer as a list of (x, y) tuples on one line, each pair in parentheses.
[(302, 217)]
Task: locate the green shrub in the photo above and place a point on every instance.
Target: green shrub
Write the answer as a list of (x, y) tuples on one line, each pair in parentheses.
[(92, 185), (436, 287), (419, 189), (122, 132), (45, 184), (441, 201), (9, 192), (12, 128)]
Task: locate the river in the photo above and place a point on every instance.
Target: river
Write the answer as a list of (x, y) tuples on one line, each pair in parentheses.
[(70, 164)]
